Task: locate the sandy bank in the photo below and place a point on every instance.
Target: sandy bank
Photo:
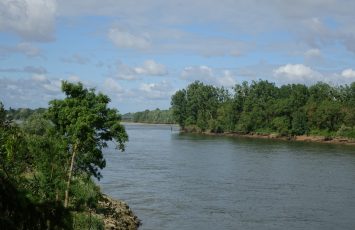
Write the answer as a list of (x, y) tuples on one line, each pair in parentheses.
[(304, 138)]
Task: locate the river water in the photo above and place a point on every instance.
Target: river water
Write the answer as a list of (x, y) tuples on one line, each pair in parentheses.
[(187, 181)]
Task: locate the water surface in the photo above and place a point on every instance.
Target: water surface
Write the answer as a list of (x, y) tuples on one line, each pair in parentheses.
[(186, 181)]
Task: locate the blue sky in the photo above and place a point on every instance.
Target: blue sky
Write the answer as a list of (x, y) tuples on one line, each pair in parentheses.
[(140, 52)]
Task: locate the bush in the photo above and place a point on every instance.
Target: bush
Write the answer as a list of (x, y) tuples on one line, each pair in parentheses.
[(322, 132), (281, 125), (215, 126), (299, 123), (84, 221), (346, 131), (85, 194)]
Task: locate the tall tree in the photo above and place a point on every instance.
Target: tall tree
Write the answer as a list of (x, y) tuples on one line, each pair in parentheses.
[(179, 104), (86, 123)]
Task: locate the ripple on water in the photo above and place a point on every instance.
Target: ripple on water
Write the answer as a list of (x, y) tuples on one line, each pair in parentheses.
[(187, 181)]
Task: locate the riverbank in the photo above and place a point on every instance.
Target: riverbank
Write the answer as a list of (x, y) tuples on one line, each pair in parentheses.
[(116, 214), (146, 123), (302, 138)]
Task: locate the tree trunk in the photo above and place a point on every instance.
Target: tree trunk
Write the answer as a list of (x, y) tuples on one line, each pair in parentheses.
[(66, 199)]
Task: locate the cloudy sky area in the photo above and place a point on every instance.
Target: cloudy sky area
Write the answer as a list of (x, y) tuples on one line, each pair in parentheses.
[(141, 52)]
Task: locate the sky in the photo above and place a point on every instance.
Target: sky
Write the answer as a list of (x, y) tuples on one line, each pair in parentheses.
[(140, 52)]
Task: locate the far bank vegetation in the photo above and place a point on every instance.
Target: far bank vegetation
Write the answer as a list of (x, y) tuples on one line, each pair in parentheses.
[(156, 116), (261, 107)]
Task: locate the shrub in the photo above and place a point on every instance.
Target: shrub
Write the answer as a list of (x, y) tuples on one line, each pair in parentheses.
[(346, 131), (84, 221)]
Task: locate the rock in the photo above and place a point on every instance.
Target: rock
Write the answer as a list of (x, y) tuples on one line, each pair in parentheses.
[(117, 215)]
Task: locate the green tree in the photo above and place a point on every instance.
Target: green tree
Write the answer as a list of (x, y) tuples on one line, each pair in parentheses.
[(202, 104), (47, 149), (281, 125), (257, 102), (13, 152), (225, 117), (299, 123), (328, 116), (2, 113), (321, 92), (86, 123), (262, 107), (179, 107), (24, 190)]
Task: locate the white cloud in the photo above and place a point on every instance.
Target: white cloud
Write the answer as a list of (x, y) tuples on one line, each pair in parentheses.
[(112, 86), (304, 19), (124, 39), (33, 69), (158, 91), (28, 49), (73, 78), (348, 74), (124, 72), (53, 86), (200, 44), (149, 38), (33, 20), (297, 73), (39, 78), (25, 48), (29, 92), (151, 67), (148, 68), (77, 59), (209, 76), (313, 53), (197, 73), (26, 69), (315, 25), (227, 79)]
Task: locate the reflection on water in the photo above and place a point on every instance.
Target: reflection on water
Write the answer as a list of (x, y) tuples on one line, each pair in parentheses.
[(186, 181)]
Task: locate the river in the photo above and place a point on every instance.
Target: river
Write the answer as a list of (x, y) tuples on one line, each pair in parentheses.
[(189, 181)]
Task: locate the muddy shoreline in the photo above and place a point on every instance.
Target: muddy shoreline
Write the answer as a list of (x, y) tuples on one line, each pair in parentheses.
[(302, 138)]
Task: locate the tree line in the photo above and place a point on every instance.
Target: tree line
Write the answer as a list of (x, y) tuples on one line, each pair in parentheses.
[(262, 107), (23, 113), (156, 116), (48, 161)]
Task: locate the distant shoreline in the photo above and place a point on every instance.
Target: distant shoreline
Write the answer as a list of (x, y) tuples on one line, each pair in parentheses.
[(302, 138), (146, 123)]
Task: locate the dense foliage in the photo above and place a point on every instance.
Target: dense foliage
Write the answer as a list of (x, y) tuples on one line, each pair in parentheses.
[(262, 107), (47, 162), (23, 113), (156, 116)]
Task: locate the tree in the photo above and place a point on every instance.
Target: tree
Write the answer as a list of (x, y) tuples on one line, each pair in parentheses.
[(86, 123), (299, 123), (13, 149), (20, 205), (321, 92), (225, 117), (262, 107), (47, 149), (281, 125), (202, 104), (179, 104), (2, 114), (328, 116)]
